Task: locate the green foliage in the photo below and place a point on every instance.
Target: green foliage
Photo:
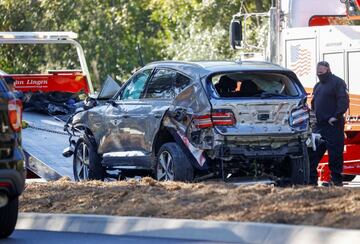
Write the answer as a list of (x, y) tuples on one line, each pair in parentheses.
[(203, 32), (109, 31)]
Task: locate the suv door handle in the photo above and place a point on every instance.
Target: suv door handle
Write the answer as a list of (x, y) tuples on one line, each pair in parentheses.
[(157, 115), (125, 116)]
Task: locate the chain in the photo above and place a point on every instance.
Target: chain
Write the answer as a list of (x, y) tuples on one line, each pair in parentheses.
[(47, 130)]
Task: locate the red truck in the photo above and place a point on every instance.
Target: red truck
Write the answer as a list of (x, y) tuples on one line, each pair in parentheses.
[(55, 86)]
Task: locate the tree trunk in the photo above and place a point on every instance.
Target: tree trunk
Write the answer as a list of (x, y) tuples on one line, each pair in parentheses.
[(259, 6)]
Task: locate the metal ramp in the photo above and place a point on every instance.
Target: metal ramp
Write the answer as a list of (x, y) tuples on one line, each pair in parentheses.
[(43, 143)]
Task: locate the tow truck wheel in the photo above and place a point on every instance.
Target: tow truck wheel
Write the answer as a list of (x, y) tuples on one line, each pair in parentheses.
[(87, 163), (8, 217), (172, 164)]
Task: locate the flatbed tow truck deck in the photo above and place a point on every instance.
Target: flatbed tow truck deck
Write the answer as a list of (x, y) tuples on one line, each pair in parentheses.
[(44, 140)]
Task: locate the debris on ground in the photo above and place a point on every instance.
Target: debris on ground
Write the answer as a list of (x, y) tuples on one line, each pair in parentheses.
[(330, 207)]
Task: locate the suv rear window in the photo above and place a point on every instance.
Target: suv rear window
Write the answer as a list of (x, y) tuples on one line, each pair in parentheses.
[(254, 84)]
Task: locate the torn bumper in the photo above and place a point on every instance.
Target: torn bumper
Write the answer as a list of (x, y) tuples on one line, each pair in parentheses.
[(255, 147), (226, 151)]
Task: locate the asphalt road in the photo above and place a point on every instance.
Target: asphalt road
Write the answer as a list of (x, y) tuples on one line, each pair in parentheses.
[(73, 228), (40, 237)]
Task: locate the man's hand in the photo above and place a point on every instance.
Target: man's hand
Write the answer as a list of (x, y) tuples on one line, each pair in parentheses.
[(332, 120)]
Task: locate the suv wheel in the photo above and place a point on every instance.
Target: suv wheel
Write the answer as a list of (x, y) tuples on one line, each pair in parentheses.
[(172, 164), (87, 163), (300, 169), (8, 217)]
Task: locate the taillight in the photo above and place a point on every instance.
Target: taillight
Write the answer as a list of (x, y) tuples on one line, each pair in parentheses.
[(15, 114), (217, 118), (223, 118), (203, 121), (299, 116)]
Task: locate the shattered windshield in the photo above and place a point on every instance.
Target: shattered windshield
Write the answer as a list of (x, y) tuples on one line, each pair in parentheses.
[(254, 84)]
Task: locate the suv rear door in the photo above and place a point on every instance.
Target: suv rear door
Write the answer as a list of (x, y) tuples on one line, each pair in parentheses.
[(160, 92), (258, 101)]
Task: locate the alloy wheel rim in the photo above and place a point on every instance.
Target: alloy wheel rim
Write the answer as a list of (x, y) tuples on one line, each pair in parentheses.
[(82, 162), (165, 167)]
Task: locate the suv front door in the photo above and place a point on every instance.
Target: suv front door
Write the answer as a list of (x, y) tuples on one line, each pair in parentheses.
[(125, 120)]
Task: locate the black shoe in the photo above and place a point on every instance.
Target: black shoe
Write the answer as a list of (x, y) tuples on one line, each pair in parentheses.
[(331, 184), (326, 184), (338, 183)]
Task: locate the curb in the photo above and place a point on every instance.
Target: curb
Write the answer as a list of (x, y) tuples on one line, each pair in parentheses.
[(183, 229)]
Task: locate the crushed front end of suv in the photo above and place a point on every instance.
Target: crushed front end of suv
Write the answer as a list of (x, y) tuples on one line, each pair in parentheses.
[(190, 121)]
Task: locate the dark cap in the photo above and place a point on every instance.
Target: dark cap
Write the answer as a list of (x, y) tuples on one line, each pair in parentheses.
[(324, 63), (9, 80)]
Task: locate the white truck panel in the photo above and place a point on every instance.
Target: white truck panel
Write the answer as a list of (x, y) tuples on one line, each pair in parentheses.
[(299, 12), (354, 72), (336, 61), (339, 45), (300, 58)]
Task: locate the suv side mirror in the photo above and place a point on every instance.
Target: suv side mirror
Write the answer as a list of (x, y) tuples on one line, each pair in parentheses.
[(235, 34), (89, 103)]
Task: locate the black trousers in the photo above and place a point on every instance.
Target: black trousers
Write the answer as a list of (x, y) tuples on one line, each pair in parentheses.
[(333, 137)]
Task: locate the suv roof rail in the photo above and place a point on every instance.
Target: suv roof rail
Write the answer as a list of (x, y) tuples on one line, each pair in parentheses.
[(260, 62), (176, 62)]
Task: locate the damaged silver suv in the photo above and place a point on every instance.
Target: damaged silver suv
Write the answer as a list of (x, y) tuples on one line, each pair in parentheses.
[(191, 121)]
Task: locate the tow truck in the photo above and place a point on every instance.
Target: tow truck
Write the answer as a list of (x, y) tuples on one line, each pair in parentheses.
[(302, 33), (44, 138)]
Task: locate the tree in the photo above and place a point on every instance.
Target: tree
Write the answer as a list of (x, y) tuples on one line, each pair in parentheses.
[(109, 34), (110, 31), (204, 33)]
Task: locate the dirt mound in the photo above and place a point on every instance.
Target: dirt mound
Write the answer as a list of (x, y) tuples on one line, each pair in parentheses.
[(332, 207)]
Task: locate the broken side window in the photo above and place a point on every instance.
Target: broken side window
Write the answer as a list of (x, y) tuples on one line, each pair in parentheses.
[(161, 85), (135, 87), (181, 82)]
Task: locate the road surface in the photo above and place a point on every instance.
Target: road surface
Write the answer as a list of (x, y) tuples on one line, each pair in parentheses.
[(46, 237)]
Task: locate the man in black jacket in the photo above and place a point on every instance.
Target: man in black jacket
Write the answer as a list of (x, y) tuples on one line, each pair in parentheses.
[(330, 101)]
